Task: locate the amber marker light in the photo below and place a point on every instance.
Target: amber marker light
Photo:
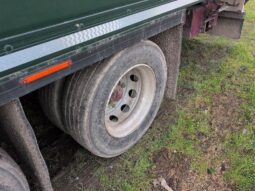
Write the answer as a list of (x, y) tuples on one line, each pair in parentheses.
[(46, 72)]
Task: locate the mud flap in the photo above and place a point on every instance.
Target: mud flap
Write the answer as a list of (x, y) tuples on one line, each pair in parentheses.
[(17, 127), (170, 42), (229, 24)]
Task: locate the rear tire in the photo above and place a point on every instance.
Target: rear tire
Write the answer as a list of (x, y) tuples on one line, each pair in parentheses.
[(11, 177), (87, 103), (51, 102)]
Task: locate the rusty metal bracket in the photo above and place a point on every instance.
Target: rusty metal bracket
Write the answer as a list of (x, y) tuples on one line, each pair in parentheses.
[(14, 122)]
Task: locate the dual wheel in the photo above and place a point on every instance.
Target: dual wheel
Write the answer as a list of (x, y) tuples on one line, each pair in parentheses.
[(109, 106)]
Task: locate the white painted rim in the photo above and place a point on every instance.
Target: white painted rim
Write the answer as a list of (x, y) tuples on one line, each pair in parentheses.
[(130, 101)]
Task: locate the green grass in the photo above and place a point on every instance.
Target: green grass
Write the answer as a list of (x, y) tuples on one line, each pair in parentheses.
[(241, 156), (130, 172), (211, 66), (250, 17)]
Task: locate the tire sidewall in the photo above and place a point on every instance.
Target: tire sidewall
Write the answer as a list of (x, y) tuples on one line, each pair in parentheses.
[(12, 178)]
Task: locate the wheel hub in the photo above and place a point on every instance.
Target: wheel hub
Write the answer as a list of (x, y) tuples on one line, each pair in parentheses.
[(117, 94)]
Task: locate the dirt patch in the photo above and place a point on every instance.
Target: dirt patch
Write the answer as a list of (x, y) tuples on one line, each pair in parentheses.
[(175, 168), (224, 118), (167, 114), (172, 166), (80, 174), (200, 183), (225, 113)]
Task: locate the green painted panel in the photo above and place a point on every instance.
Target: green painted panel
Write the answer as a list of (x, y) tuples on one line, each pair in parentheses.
[(28, 22), (19, 16)]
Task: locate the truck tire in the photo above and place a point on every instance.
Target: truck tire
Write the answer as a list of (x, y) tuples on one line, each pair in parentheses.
[(11, 177), (109, 106), (50, 100)]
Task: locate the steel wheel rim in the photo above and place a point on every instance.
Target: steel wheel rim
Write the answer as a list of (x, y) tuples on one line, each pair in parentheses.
[(130, 101)]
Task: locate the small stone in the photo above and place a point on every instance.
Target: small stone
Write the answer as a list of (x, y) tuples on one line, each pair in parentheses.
[(229, 75), (223, 167), (243, 69), (245, 131), (164, 184), (156, 183)]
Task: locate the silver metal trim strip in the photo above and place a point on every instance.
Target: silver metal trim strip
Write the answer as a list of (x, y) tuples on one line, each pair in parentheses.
[(39, 51)]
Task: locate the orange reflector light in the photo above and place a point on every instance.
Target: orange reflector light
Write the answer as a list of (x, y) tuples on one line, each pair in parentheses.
[(46, 72)]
